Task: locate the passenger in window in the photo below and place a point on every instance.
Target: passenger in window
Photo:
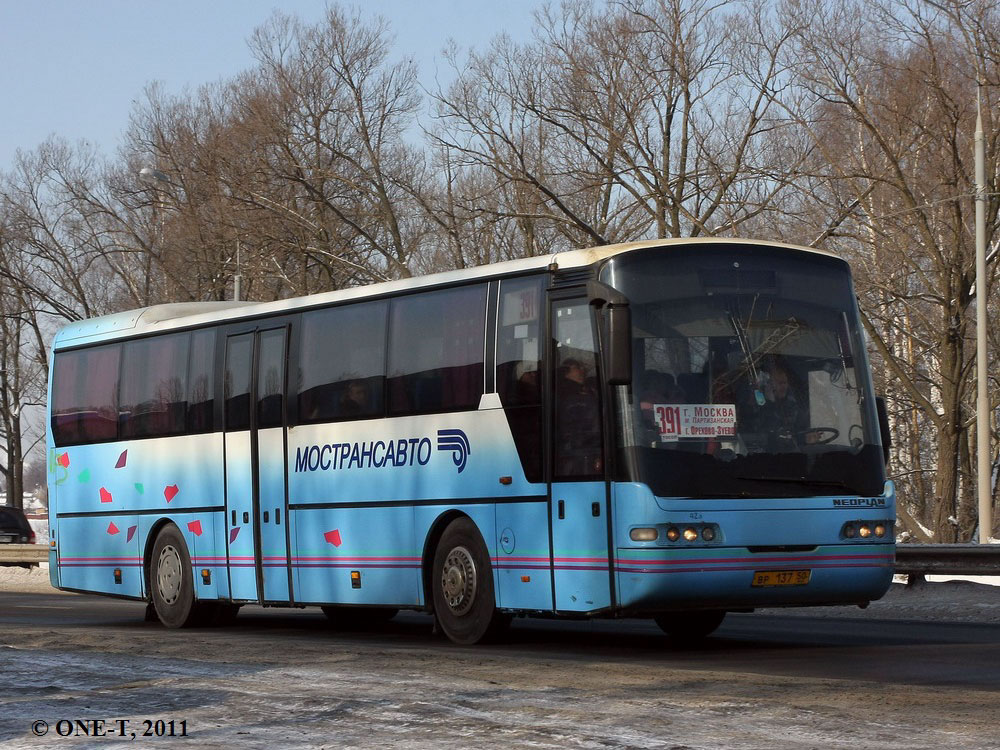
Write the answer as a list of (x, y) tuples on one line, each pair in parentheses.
[(354, 402), (579, 427), (528, 390)]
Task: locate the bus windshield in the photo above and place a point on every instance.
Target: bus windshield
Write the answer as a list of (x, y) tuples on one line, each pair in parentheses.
[(749, 375)]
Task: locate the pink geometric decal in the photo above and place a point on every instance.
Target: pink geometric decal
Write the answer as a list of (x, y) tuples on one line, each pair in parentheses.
[(333, 537), (105, 496), (121, 460), (112, 529), (131, 533), (233, 533), (195, 528), (63, 460), (170, 492)]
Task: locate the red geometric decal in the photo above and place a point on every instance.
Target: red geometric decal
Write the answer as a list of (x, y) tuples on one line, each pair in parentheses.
[(112, 529), (170, 492), (121, 460), (63, 460), (195, 528), (131, 533), (105, 496), (233, 533), (333, 537)]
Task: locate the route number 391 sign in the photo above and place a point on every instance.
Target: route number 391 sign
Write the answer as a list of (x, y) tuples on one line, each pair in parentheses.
[(695, 420)]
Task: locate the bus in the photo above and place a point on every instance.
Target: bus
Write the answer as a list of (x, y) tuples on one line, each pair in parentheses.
[(670, 429)]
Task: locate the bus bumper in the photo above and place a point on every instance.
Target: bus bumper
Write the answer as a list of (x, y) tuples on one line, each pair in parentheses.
[(736, 578)]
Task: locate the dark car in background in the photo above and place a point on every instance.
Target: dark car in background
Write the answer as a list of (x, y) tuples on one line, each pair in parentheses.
[(14, 527)]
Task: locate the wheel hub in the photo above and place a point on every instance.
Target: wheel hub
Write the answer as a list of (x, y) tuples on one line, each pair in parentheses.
[(458, 580), (168, 574)]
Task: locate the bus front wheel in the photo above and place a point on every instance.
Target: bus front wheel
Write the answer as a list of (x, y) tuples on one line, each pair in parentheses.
[(462, 582), (171, 582), (689, 627)]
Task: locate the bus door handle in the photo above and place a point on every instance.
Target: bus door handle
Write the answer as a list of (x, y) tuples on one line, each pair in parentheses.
[(562, 509), (246, 517), (277, 516), (234, 518), (266, 516)]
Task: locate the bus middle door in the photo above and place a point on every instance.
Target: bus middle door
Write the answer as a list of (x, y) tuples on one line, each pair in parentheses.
[(581, 559), (256, 492)]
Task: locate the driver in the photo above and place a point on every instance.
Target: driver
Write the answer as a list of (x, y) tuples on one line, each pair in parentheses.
[(782, 417)]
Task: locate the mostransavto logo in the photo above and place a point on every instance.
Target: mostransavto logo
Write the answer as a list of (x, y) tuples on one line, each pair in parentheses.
[(457, 442), (382, 454)]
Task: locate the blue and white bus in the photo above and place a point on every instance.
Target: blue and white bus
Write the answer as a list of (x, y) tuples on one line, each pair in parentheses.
[(670, 429)]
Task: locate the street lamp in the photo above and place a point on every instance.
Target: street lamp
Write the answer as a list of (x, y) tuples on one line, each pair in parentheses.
[(153, 177)]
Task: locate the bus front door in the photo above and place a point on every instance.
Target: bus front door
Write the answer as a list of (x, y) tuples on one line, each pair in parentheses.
[(256, 492), (581, 560)]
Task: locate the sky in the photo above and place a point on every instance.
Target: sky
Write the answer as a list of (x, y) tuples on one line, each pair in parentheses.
[(74, 67)]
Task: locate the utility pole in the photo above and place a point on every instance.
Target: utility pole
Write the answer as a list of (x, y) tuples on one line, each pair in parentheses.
[(982, 301)]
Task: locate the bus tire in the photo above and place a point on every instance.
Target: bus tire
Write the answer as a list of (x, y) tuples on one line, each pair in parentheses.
[(462, 583), (690, 627), (171, 582)]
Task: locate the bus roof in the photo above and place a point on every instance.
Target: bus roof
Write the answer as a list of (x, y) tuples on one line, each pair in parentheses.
[(164, 317)]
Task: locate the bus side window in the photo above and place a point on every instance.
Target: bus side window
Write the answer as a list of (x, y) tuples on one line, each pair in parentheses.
[(201, 396), (85, 396), (154, 386), (342, 363), (577, 446), (239, 353), (518, 376), (436, 351)]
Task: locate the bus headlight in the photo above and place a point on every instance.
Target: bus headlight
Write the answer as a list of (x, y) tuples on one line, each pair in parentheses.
[(673, 534), (690, 534)]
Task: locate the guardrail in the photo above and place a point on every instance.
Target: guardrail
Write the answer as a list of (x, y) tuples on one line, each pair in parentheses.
[(23, 554), (919, 560)]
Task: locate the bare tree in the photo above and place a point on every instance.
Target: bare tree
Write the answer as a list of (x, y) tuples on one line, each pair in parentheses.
[(890, 108)]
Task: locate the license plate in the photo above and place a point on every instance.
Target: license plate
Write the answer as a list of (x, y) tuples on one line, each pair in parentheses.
[(781, 577), (7, 539)]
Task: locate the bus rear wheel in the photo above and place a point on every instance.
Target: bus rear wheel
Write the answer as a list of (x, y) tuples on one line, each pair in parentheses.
[(690, 627), (462, 583), (172, 584)]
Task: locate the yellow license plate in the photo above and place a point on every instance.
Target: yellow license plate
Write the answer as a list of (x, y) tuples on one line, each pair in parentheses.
[(781, 577)]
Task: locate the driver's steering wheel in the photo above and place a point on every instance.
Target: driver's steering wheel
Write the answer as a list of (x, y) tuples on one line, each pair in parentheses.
[(829, 434)]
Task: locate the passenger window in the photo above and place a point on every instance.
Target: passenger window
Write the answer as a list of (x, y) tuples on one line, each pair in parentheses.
[(342, 363), (577, 446), (85, 395), (154, 386), (201, 382), (271, 379), (239, 351), (436, 354), (519, 368)]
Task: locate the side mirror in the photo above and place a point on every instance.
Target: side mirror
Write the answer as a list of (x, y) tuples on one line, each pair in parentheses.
[(883, 427), (619, 351), (618, 347)]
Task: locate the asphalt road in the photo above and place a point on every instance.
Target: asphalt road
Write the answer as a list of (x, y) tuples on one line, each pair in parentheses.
[(284, 676)]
